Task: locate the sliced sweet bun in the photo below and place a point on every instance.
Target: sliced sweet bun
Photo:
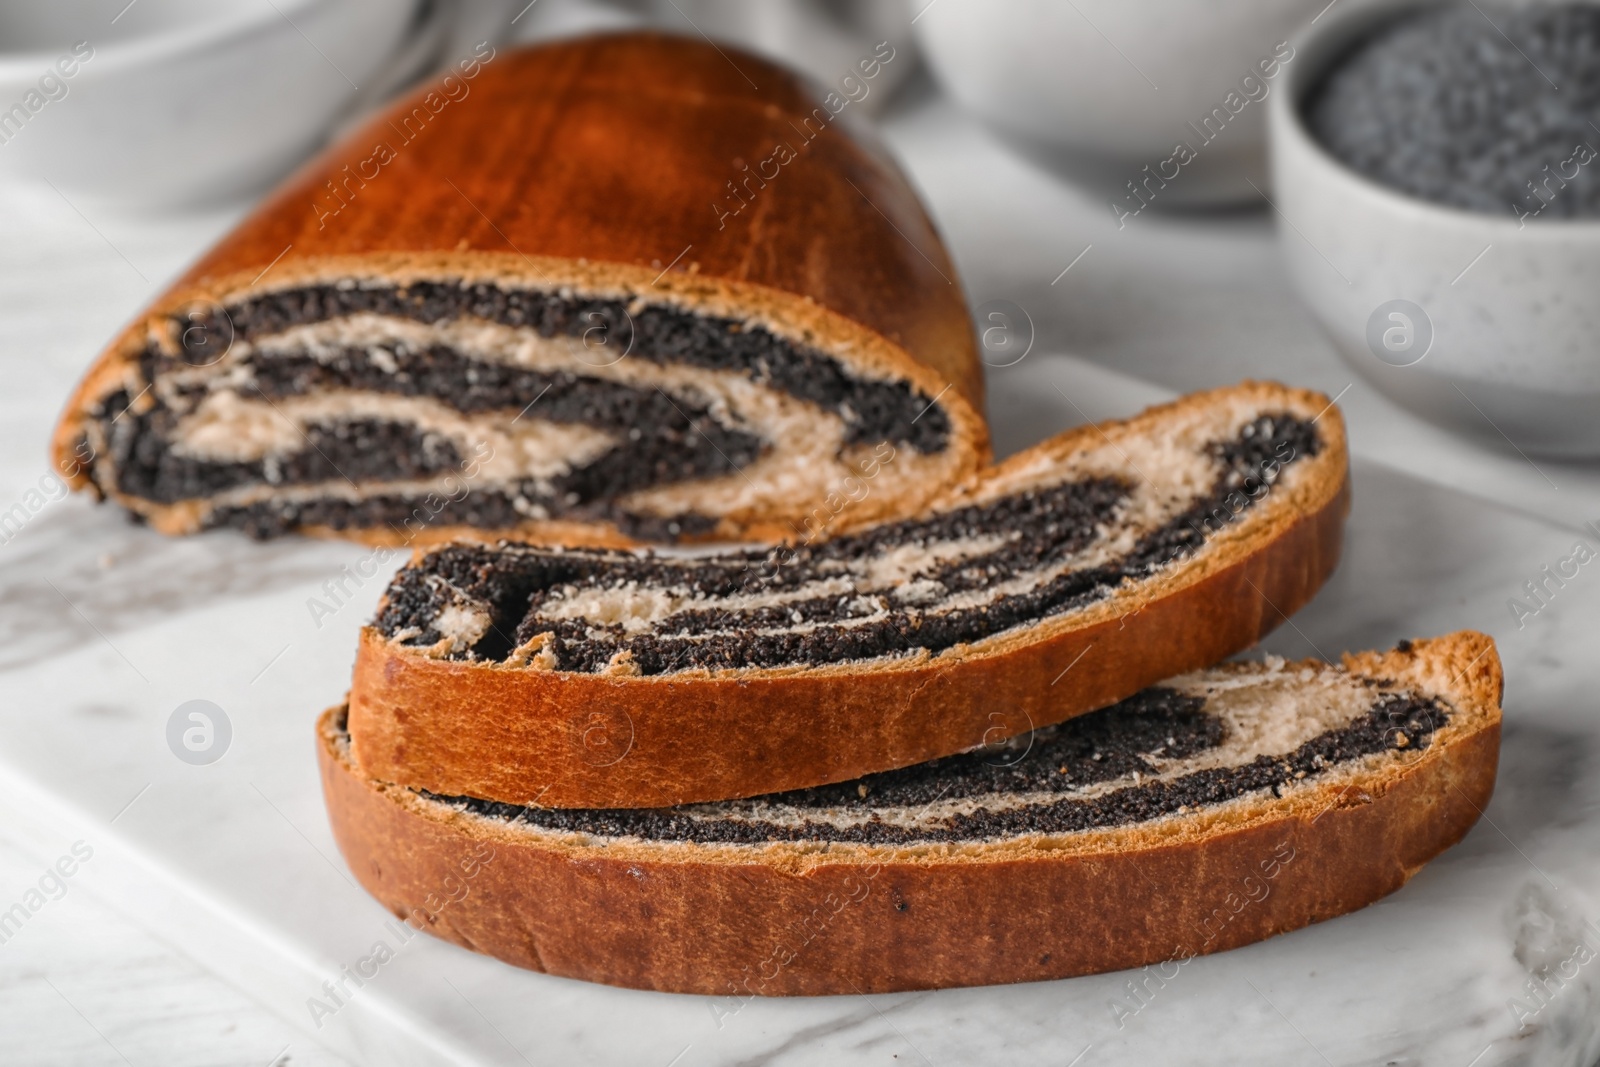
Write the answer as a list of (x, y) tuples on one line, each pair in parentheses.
[(1218, 809), (1065, 579), (548, 297)]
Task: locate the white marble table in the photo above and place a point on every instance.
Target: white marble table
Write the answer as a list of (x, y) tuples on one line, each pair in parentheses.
[(223, 901)]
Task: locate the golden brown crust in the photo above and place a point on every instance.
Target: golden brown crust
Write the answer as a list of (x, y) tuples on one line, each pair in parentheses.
[(581, 740), (623, 144), (779, 920)]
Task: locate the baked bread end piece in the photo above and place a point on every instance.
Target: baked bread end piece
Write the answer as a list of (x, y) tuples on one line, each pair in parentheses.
[(553, 313)]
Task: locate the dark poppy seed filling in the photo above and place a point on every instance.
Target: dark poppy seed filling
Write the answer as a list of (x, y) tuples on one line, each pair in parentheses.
[(876, 411), (1167, 751), (903, 588), (346, 388), (483, 508), (346, 448)]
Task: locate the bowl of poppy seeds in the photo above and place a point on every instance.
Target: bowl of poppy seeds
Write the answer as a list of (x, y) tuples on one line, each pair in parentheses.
[(1437, 171)]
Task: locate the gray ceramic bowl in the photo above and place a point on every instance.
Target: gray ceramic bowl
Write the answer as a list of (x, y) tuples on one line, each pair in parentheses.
[(1479, 323)]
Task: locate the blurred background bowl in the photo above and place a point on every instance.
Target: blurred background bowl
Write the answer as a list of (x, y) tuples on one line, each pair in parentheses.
[(1097, 89), (184, 101), (1497, 321), (823, 39)]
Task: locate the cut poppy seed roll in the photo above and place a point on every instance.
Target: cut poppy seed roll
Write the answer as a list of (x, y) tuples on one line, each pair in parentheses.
[(1064, 579), (522, 308), (1221, 808)]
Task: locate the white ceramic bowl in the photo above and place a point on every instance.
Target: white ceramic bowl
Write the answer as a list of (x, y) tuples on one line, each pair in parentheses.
[(825, 41), (180, 100), (1098, 89), (1511, 308)]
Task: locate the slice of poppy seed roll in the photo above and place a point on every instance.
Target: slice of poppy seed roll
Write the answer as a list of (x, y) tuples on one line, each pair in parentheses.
[(520, 316), (1218, 809), (1065, 579)]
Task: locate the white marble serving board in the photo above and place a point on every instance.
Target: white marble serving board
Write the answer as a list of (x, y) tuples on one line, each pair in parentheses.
[(105, 628)]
